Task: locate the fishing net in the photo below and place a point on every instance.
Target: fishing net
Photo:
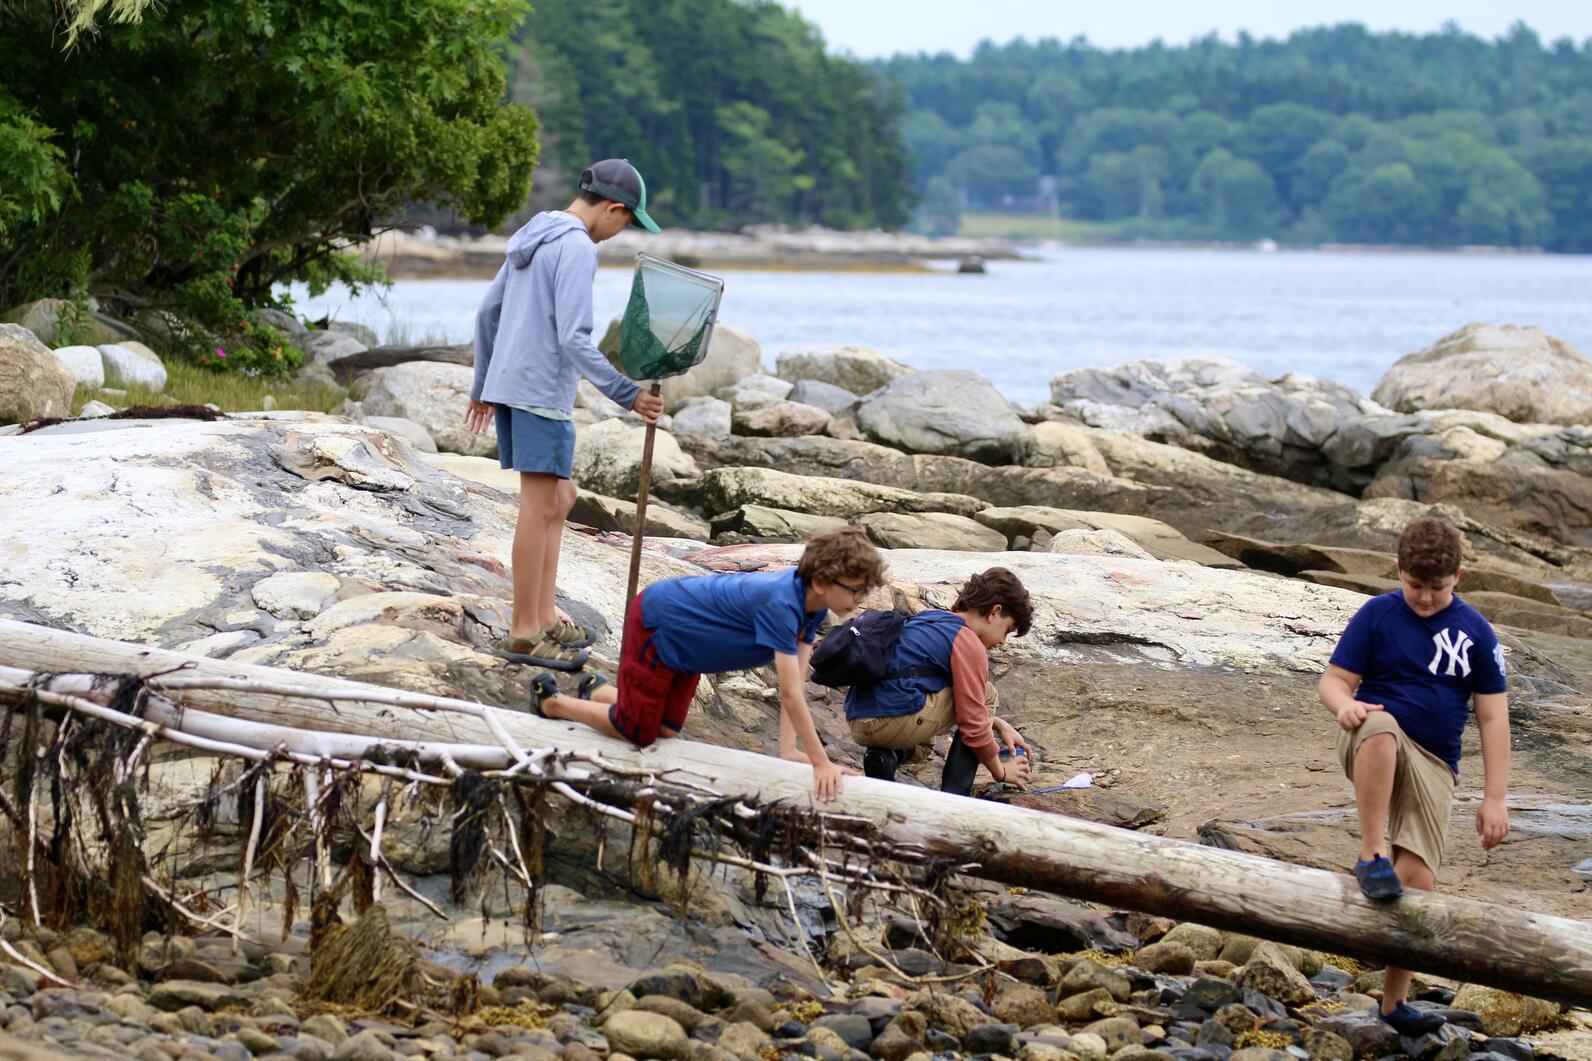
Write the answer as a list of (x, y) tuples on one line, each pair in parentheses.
[(669, 319)]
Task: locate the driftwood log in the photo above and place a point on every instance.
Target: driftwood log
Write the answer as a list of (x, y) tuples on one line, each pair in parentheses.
[(1536, 954)]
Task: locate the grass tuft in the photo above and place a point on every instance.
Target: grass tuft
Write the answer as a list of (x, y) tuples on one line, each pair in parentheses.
[(189, 384)]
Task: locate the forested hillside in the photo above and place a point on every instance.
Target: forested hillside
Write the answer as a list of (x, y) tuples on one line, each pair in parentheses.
[(1335, 134), (732, 111)]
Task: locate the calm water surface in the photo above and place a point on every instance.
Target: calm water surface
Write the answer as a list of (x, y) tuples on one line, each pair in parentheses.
[(1344, 317)]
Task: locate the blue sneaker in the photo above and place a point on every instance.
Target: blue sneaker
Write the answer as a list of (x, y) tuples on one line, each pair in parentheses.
[(1377, 879), (1411, 1022)]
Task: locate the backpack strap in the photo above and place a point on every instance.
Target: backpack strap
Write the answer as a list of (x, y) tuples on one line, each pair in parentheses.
[(916, 672)]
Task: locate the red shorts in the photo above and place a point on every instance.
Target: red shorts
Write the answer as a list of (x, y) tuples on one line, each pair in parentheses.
[(652, 697)]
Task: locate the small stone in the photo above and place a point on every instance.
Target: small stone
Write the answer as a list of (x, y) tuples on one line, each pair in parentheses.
[(1023, 1005), (1216, 967), (1204, 942), (1042, 1051), (176, 994), (327, 1027), (1089, 1046), (1086, 1005), (1270, 972), (1213, 1033), (743, 1039), (855, 1030), (947, 1013), (167, 1024), (1326, 1046), (1170, 957), (643, 1034), (295, 594), (750, 1011), (1238, 1018), (1259, 1053), (991, 1039), (362, 1047), (256, 1041), (1117, 1032), (130, 1008), (1141, 1053), (893, 1044), (682, 1013), (1087, 974), (575, 1050)]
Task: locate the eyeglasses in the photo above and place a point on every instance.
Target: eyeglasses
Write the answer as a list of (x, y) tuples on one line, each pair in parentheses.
[(855, 591)]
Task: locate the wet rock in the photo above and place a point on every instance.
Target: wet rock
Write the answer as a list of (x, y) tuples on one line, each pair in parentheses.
[(1503, 1013), (642, 1034), (1172, 958), (954, 413)]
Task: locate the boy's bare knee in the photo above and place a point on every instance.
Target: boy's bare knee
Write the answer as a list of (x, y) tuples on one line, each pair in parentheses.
[(564, 499), (1376, 744)]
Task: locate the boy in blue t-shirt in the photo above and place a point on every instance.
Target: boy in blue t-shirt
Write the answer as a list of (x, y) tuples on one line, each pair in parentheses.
[(680, 629), (1401, 683)]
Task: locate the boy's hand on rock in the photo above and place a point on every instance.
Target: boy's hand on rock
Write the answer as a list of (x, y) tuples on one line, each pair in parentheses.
[(1007, 734), (1016, 771), (648, 406), (477, 416), (1351, 714), (1492, 822), (826, 782)]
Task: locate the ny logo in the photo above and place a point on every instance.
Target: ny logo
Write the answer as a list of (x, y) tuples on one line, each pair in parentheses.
[(1457, 649)]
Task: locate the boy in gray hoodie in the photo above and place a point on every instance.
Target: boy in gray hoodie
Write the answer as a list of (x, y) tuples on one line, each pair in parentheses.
[(532, 345)]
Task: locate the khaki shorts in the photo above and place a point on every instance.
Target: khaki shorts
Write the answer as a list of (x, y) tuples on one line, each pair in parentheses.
[(1423, 789), (936, 716)]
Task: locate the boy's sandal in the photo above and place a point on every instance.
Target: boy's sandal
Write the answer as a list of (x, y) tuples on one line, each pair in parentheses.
[(543, 652), (570, 635), (590, 683), (543, 688)]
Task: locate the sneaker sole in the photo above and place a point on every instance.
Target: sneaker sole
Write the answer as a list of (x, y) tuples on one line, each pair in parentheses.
[(568, 666)]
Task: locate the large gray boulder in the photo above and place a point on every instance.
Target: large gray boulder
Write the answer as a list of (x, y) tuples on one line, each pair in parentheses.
[(414, 434), (33, 381), (608, 458), (836, 401), (1288, 427), (703, 416), (131, 363), (856, 368), (956, 413), (763, 524), (434, 395), (732, 356), (1518, 372), (43, 319), (330, 346), (1158, 539)]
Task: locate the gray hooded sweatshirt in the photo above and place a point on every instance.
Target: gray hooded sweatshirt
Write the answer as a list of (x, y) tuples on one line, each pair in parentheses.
[(533, 330)]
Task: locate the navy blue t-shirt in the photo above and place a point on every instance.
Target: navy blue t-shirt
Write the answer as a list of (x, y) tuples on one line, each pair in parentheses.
[(1422, 670), (709, 624)]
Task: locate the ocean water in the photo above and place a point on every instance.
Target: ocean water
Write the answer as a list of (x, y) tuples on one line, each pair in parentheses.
[(1339, 316)]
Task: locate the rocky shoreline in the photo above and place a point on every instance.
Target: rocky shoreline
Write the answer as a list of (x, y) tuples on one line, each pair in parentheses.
[(1195, 537)]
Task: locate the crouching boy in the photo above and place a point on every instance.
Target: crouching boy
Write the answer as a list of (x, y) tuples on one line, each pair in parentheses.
[(680, 629), (937, 679), (1401, 683)]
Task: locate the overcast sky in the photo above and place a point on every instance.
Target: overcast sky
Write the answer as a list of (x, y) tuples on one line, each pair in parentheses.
[(871, 28)]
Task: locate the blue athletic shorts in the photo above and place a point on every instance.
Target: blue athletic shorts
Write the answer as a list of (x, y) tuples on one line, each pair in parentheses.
[(538, 444)]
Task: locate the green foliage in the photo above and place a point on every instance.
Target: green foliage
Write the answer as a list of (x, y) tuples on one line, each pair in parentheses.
[(180, 166), (731, 110), (1334, 134)]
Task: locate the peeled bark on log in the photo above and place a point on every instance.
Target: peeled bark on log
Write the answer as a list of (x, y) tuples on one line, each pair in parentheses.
[(1535, 954)]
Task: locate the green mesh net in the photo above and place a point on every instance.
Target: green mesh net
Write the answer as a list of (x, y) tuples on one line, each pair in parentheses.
[(669, 319)]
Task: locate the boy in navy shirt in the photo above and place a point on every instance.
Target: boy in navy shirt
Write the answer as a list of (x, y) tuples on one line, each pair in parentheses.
[(680, 629), (1401, 682)]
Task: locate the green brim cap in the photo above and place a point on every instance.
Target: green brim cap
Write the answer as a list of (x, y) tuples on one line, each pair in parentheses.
[(616, 180)]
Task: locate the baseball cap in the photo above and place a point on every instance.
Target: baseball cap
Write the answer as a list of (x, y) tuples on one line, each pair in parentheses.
[(617, 180)]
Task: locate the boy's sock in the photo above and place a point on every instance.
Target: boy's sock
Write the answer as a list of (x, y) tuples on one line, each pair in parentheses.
[(961, 768), (1407, 1020), (880, 763), (1377, 879)]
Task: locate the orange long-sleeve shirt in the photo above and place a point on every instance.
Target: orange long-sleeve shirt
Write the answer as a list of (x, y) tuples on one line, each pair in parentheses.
[(969, 675)]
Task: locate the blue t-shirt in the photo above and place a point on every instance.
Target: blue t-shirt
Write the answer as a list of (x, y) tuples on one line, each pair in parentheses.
[(1422, 670), (709, 624)]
